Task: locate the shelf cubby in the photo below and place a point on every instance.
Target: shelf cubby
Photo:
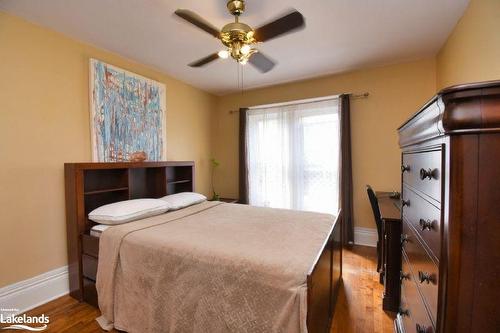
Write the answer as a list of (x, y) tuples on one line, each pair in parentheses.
[(179, 179), (106, 180), (147, 182)]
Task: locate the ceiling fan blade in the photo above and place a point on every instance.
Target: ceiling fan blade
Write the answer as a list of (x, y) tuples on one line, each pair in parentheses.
[(261, 62), (204, 61), (278, 27), (198, 21)]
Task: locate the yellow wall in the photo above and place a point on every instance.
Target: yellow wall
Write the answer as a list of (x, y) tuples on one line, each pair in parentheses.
[(395, 93), (44, 122), (472, 51)]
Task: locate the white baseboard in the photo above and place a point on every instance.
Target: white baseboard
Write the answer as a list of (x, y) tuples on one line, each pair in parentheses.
[(365, 236), (30, 293)]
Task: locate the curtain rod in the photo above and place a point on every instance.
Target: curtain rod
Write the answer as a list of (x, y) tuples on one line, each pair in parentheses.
[(305, 101)]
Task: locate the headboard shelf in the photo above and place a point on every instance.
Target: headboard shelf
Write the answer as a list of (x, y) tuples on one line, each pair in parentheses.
[(106, 190), (179, 181), (91, 185)]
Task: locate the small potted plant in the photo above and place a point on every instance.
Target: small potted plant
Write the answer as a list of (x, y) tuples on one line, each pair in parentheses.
[(215, 164)]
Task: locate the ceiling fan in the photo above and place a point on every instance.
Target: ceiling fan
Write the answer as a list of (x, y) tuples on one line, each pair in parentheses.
[(239, 38)]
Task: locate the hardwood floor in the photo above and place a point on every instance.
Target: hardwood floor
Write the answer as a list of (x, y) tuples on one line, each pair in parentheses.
[(358, 309), (359, 305)]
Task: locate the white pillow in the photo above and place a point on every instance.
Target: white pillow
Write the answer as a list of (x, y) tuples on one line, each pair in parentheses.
[(184, 199), (129, 210)]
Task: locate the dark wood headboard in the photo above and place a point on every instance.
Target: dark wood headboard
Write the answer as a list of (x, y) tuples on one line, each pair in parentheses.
[(91, 185)]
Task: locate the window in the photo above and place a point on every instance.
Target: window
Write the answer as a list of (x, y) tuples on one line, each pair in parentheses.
[(293, 156)]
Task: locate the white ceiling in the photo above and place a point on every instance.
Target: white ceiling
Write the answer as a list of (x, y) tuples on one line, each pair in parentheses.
[(340, 35)]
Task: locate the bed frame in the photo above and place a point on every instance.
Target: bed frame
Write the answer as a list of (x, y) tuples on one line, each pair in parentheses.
[(90, 185)]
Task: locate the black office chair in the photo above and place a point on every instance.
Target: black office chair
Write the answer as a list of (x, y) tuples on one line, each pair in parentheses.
[(378, 223)]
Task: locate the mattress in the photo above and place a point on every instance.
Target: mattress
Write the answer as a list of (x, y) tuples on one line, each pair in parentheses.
[(97, 230)]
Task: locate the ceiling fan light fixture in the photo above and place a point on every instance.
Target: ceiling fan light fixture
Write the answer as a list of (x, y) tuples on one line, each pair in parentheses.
[(239, 39), (223, 54)]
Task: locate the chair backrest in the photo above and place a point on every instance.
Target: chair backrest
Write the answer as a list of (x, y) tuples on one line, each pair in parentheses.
[(375, 208)]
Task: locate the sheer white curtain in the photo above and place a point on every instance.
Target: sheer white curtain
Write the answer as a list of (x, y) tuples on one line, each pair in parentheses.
[(293, 156)]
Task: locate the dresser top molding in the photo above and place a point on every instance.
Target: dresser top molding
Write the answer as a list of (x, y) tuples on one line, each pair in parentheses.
[(466, 108)]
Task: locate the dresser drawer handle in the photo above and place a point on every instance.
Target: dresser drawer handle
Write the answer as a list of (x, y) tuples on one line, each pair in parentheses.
[(403, 276), (422, 329), (425, 277), (403, 312), (405, 203), (404, 239), (404, 168), (426, 224), (427, 174)]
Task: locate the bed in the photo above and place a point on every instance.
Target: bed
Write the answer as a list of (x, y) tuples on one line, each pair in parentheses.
[(208, 267)]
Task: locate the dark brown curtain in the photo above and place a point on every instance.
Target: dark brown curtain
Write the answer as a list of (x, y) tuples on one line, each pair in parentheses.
[(346, 169), (243, 174)]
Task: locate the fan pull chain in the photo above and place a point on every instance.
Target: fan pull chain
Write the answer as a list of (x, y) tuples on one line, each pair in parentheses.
[(238, 74), (241, 66)]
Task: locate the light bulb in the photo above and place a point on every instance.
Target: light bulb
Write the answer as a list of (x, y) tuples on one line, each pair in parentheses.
[(243, 62), (224, 54), (245, 49)]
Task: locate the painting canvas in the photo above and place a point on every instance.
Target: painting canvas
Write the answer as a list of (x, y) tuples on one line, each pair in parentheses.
[(127, 115)]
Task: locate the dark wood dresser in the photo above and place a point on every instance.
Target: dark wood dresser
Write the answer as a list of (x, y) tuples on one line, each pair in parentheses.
[(450, 275)]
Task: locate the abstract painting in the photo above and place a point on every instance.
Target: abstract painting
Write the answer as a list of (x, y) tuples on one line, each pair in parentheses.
[(127, 115)]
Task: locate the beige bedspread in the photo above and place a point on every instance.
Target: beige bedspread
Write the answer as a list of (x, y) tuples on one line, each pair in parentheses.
[(210, 267)]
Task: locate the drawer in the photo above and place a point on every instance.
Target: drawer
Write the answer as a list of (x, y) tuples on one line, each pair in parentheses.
[(89, 267), (413, 314), (425, 219), (90, 292), (425, 272), (90, 245), (422, 171)]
